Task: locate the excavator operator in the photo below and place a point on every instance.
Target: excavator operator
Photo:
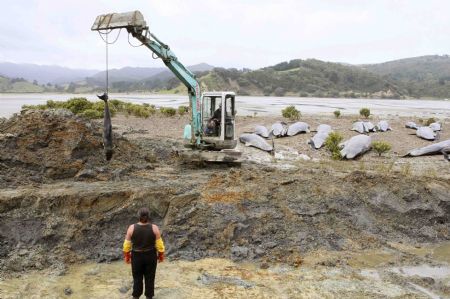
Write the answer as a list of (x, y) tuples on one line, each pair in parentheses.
[(214, 122)]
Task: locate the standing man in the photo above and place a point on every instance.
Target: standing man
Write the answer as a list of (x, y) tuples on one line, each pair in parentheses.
[(142, 247)]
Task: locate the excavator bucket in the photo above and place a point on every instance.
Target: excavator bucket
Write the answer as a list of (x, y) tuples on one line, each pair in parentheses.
[(132, 19)]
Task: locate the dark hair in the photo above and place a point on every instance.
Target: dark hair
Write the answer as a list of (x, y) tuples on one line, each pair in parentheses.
[(144, 215)]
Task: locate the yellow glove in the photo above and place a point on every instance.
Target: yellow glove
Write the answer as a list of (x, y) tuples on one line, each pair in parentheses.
[(126, 246), (159, 244)]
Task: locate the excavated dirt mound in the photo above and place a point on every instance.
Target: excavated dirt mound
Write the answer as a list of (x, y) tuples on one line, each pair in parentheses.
[(41, 146)]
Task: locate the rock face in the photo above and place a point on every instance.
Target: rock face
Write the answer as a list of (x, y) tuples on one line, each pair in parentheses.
[(245, 214)]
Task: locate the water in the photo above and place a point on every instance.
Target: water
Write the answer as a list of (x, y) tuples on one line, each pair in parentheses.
[(11, 103)]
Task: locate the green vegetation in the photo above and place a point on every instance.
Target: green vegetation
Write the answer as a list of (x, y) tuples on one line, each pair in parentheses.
[(85, 108), (430, 121), (337, 113), (332, 145), (425, 76), (168, 111), (182, 110), (381, 147), (364, 112), (291, 113)]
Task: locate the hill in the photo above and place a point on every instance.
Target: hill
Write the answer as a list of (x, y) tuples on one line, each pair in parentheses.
[(298, 77), (19, 85), (44, 74), (420, 76)]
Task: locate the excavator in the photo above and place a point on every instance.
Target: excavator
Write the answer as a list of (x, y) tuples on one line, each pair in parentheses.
[(210, 136)]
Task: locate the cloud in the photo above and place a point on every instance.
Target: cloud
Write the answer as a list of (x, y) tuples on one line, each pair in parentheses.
[(229, 33)]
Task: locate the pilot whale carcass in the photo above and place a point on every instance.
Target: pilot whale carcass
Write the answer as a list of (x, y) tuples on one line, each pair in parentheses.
[(298, 127), (255, 141), (107, 128), (262, 131), (426, 133), (358, 127), (369, 127), (355, 146), (279, 129), (411, 125), (319, 138), (442, 147), (383, 126), (435, 126)]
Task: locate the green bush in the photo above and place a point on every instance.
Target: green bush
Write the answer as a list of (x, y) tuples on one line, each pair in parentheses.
[(183, 110), (291, 112), (78, 105), (365, 112), (168, 111), (332, 145), (54, 104), (381, 147), (430, 121), (337, 113)]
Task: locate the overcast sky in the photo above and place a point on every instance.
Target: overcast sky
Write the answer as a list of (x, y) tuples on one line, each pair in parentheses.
[(229, 33)]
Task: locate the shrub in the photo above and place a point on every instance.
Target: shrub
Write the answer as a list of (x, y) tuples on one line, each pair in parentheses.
[(54, 105), (381, 147), (168, 111), (291, 112), (332, 145), (77, 105), (365, 112), (337, 113), (430, 121), (183, 110)]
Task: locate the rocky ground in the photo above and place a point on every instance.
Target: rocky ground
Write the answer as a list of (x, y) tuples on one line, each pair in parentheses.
[(61, 205)]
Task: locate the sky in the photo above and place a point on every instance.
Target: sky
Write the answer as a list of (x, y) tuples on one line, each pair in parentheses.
[(227, 33)]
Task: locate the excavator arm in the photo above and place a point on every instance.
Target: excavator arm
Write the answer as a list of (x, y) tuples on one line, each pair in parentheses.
[(135, 24)]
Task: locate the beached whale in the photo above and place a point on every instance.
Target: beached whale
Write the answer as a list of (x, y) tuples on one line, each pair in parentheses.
[(369, 127), (262, 131), (107, 128), (411, 125), (383, 126), (358, 127), (323, 127), (255, 141), (298, 127), (442, 147), (318, 140), (426, 133), (279, 129), (435, 126), (355, 146)]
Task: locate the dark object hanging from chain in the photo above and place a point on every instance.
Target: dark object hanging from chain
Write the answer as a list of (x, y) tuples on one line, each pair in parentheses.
[(107, 126)]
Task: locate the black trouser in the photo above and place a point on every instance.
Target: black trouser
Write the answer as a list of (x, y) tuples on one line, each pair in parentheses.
[(143, 265)]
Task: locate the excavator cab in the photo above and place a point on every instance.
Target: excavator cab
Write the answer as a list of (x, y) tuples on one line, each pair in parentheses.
[(218, 120)]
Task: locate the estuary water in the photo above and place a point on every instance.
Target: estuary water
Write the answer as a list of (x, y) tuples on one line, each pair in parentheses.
[(249, 105)]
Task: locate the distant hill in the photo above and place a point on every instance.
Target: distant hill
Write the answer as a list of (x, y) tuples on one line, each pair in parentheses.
[(44, 74), (134, 74), (420, 76), (426, 76), (18, 85), (298, 77)]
